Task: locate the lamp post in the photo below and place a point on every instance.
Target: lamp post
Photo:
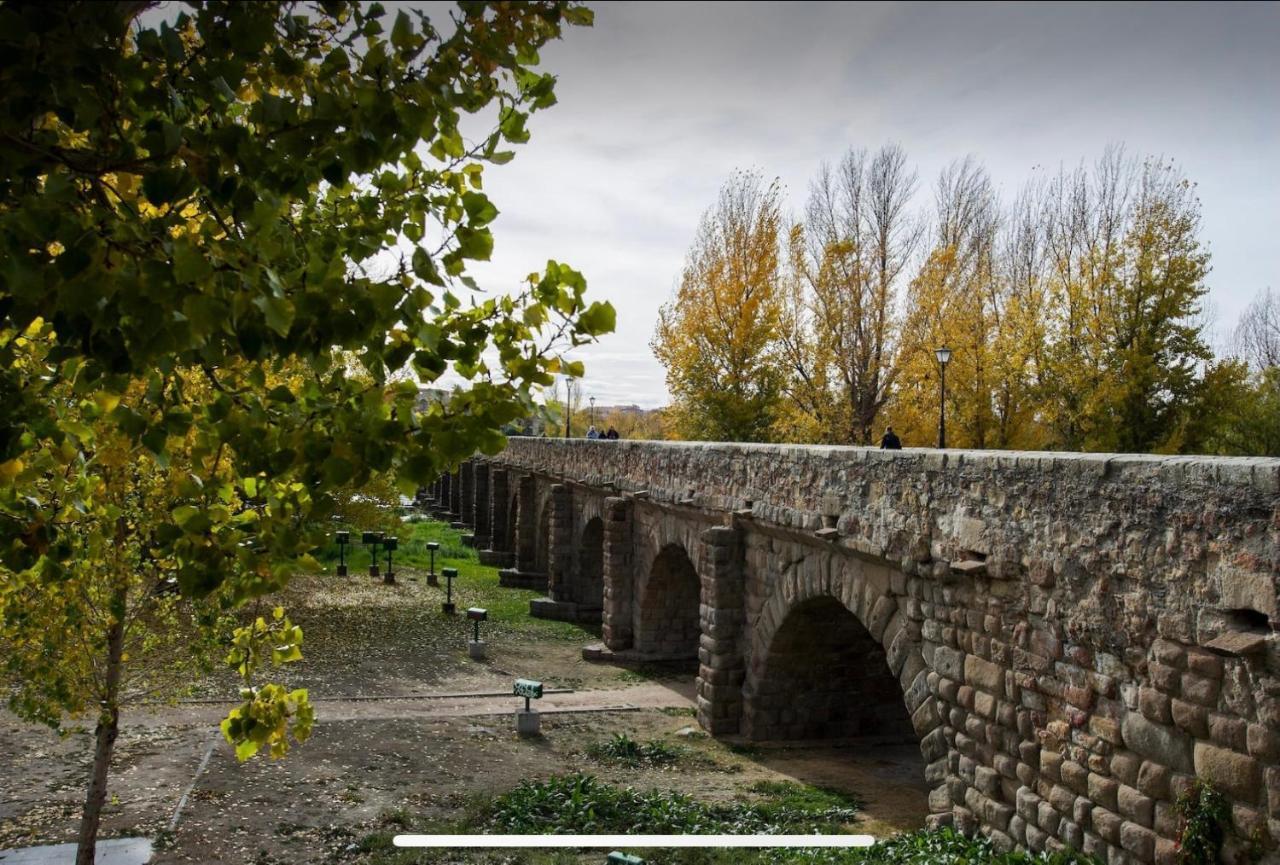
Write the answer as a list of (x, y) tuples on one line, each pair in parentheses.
[(372, 540), (593, 411), (449, 574), (568, 404), (432, 579), (476, 647), (343, 538), (389, 544), (944, 356)]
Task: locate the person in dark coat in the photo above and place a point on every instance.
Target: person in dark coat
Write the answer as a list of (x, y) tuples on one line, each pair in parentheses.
[(612, 434), (890, 442)]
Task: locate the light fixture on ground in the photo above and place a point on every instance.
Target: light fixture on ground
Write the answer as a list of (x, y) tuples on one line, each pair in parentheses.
[(476, 647), (390, 545), (528, 722), (372, 540), (432, 578), (944, 356), (343, 538), (449, 575)]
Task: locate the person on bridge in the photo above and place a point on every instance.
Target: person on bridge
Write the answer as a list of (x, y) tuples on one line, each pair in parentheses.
[(612, 434), (593, 433), (890, 442)]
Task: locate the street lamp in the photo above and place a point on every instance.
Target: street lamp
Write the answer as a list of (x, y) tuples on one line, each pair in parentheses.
[(944, 356), (593, 411)]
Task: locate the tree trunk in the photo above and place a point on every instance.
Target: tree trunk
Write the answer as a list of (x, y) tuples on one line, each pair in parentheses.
[(108, 728)]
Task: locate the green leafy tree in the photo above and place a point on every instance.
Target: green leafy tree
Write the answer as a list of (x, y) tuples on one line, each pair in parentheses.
[(201, 222)]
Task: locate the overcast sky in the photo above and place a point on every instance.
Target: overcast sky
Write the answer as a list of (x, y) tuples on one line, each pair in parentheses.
[(658, 104)]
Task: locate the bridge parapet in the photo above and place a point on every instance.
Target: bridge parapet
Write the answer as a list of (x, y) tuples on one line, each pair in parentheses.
[(1197, 531)]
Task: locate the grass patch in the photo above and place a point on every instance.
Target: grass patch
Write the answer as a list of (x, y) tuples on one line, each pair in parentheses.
[(475, 586), (622, 750), (789, 796), (582, 804)]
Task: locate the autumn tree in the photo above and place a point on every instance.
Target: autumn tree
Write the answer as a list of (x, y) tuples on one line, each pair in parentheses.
[(1241, 395), (953, 302), (186, 210), (839, 334), (717, 336), (1155, 344)]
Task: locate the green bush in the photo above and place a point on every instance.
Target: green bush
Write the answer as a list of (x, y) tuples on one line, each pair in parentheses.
[(622, 750), (581, 804)]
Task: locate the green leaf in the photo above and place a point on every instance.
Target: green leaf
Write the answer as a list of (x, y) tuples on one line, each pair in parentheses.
[(189, 263), (476, 244), (277, 311), (599, 318)]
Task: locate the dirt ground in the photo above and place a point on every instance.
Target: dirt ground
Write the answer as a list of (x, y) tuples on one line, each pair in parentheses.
[(396, 745)]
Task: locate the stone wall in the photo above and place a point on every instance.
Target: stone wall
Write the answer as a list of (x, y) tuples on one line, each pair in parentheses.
[(1074, 637)]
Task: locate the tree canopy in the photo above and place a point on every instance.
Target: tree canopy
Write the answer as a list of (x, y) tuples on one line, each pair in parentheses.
[(222, 236)]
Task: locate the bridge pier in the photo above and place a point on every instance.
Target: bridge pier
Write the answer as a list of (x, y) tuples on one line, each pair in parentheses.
[(720, 659), (499, 551), (525, 573), (481, 505)]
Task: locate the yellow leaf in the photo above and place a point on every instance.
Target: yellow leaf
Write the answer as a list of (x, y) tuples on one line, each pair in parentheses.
[(10, 470)]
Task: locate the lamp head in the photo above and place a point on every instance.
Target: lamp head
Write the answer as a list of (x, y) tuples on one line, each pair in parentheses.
[(943, 355)]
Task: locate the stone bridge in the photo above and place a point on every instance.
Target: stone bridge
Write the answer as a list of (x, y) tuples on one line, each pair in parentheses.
[(1070, 638)]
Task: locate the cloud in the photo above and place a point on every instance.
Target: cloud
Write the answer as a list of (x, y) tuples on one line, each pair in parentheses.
[(660, 102)]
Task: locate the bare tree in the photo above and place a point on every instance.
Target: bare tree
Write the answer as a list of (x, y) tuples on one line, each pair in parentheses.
[(1257, 336), (857, 239)]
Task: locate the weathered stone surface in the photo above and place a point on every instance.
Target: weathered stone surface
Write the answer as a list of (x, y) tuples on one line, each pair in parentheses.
[(1157, 742), (1240, 776)]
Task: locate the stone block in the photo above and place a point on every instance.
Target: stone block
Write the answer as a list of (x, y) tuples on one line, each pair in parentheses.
[(987, 780), (984, 674), (1125, 767), (1169, 653), (1047, 817), (1157, 742), (1075, 776), (1204, 663), (1190, 717), (1263, 743), (1166, 852), (1103, 790), (949, 663), (1107, 824), (1153, 780), (1236, 774), (1154, 705), (1200, 689), (1228, 732), (1165, 678), (1138, 840), (1135, 806)]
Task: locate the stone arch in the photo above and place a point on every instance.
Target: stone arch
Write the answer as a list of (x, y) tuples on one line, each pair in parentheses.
[(668, 624), (589, 577), (823, 676), (856, 598)]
